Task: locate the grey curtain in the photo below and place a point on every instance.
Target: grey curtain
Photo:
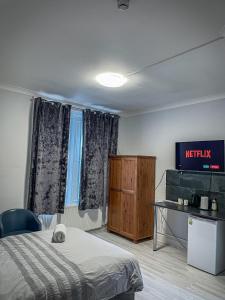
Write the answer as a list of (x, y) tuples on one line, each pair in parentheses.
[(49, 151), (100, 135)]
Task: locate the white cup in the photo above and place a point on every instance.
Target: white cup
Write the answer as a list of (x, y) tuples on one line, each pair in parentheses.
[(186, 202), (180, 201)]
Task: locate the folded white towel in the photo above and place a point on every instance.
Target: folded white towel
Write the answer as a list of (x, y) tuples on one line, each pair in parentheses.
[(59, 234)]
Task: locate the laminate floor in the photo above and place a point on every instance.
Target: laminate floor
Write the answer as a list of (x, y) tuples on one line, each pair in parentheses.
[(166, 274)]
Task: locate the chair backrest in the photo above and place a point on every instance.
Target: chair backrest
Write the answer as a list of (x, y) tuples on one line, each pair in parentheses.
[(18, 220)]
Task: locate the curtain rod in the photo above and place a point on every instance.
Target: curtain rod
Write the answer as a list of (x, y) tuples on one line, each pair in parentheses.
[(77, 106), (35, 94), (62, 102)]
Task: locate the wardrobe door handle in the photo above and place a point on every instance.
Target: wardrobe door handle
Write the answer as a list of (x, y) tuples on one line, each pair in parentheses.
[(127, 191)]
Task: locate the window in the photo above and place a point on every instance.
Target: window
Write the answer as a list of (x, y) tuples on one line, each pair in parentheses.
[(74, 159)]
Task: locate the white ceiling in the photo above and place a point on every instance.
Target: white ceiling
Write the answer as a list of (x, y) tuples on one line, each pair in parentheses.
[(57, 47)]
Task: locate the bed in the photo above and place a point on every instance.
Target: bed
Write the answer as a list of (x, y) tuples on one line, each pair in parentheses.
[(83, 268)]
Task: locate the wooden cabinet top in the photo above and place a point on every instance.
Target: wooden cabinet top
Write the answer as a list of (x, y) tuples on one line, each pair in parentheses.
[(132, 156)]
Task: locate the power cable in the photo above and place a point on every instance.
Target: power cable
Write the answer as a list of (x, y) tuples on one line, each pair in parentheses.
[(161, 179), (175, 56)]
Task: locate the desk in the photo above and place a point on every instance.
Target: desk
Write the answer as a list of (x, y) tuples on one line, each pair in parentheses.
[(213, 215)]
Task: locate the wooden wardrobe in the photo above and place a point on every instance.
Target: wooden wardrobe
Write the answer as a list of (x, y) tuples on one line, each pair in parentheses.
[(131, 193)]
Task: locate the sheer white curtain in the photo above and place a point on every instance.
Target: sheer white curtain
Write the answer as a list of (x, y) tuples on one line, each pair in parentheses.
[(48, 221), (74, 159)]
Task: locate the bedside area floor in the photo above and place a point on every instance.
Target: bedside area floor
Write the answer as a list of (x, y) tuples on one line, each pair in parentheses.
[(166, 274)]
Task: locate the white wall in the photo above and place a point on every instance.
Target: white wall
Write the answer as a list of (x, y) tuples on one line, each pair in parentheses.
[(156, 133), (14, 127), (15, 114)]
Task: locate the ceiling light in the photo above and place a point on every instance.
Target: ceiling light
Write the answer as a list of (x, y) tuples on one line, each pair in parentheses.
[(123, 4), (111, 79)]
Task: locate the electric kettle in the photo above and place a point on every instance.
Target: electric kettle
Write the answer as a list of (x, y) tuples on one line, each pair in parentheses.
[(204, 204)]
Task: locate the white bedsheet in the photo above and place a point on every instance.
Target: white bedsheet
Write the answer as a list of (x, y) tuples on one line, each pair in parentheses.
[(106, 269)]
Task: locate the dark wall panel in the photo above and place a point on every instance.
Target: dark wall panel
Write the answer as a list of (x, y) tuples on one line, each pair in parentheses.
[(186, 183)]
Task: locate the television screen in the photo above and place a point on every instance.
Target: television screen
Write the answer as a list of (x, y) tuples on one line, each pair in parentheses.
[(200, 156)]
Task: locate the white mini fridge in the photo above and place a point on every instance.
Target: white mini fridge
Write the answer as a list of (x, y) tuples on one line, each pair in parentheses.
[(206, 244)]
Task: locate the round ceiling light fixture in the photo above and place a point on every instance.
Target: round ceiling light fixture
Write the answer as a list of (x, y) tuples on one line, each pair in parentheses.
[(123, 4), (112, 80)]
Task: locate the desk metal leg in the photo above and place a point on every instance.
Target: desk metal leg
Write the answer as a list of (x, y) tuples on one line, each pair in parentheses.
[(155, 229)]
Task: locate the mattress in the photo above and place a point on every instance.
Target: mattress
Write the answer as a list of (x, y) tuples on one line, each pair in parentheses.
[(83, 267)]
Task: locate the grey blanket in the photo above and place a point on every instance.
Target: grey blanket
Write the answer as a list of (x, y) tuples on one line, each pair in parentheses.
[(82, 268)]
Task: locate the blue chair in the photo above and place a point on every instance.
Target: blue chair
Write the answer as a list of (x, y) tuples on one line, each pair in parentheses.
[(18, 221)]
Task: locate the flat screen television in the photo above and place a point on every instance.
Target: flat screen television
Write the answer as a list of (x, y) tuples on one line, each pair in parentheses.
[(200, 156)]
